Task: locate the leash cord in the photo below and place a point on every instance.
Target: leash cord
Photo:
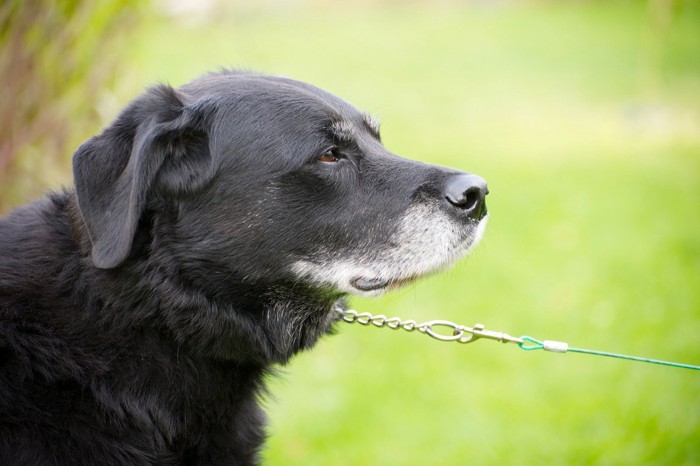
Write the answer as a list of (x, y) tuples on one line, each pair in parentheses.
[(548, 345), (444, 330)]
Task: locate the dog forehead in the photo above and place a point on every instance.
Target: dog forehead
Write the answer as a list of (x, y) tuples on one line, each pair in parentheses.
[(258, 94), (278, 114)]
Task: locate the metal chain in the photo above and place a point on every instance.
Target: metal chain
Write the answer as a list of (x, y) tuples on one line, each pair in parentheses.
[(443, 330), (440, 330)]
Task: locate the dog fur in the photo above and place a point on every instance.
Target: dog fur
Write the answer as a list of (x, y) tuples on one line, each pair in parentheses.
[(210, 233)]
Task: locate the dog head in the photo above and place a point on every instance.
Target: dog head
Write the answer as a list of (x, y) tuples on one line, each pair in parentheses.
[(262, 180)]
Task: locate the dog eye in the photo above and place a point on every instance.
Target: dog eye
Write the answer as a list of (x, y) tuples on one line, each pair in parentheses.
[(330, 156)]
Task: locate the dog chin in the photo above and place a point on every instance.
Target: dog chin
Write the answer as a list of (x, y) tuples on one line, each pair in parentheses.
[(399, 270)]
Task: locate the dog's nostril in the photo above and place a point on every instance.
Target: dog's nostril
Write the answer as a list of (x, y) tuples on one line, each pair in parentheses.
[(467, 192), (471, 198)]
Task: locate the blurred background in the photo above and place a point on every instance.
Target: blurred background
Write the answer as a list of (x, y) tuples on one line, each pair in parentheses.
[(584, 117)]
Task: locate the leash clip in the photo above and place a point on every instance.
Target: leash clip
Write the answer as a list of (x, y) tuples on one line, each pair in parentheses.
[(479, 331)]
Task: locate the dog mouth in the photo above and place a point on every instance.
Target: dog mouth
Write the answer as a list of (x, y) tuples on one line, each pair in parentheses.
[(374, 284), (416, 253)]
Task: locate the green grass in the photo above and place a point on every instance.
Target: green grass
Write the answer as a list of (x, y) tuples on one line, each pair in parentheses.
[(585, 120)]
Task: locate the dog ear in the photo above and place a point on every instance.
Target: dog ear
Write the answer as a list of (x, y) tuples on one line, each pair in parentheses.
[(157, 142)]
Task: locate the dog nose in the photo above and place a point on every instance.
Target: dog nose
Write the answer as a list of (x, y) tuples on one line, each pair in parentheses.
[(467, 192)]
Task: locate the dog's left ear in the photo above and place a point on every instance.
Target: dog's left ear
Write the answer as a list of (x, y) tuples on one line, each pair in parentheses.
[(159, 142)]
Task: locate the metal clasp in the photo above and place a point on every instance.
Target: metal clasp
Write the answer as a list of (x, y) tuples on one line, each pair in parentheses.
[(470, 335)]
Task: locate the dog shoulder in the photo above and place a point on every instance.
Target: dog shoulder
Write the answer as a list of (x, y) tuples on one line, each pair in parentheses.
[(35, 246), (36, 255)]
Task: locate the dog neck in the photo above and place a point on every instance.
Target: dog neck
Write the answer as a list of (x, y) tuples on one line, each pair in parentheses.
[(268, 329)]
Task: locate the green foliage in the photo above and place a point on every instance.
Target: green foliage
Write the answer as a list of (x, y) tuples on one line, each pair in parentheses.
[(57, 62)]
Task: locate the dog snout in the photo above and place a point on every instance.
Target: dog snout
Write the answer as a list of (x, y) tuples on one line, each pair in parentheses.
[(467, 192)]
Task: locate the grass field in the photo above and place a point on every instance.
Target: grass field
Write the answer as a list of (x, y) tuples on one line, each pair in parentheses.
[(585, 120)]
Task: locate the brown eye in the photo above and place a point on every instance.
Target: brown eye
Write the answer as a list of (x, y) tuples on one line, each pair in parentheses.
[(329, 156)]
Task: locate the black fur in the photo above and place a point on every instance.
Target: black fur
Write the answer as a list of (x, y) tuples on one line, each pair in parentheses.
[(140, 313)]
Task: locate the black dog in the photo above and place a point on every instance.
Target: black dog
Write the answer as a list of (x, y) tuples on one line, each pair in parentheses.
[(211, 232)]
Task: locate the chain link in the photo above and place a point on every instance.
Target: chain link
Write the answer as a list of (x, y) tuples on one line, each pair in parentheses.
[(443, 330)]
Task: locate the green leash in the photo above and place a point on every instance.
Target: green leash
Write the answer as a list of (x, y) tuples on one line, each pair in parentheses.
[(444, 330), (560, 347)]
